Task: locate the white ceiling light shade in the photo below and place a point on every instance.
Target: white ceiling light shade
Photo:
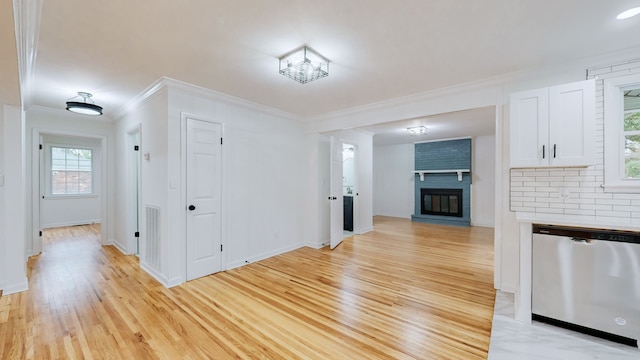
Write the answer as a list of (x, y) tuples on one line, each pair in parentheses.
[(303, 65), (629, 13), (87, 107), (417, 130)]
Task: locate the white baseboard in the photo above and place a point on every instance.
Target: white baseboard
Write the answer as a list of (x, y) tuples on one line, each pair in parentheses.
[(154, 273), (316, 245), (364, 230), (71, 223), (249, 260), (9, 289), (175, 281), (119, 247)]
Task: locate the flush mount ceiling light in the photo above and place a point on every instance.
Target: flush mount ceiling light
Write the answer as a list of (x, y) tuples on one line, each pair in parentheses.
[(304, 65), (629, 13), (87, 107), (417, 130)]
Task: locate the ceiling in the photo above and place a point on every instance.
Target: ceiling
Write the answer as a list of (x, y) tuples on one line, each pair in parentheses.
[(379, 49), (474, 122)]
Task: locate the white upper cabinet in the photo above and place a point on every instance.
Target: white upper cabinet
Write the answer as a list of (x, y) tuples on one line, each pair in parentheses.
[(553, 126)]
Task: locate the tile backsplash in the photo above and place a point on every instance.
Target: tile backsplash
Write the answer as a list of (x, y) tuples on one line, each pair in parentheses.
[(577, 192)]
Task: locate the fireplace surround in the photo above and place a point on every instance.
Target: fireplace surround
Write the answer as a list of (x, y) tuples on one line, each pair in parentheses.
[(443, 166)]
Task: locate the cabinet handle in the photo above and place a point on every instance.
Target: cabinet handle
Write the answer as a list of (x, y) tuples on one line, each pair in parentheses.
[(554, 151), (543, 151)]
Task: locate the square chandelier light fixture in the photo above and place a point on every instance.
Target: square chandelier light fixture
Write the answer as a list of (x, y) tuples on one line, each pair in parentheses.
[(304, 65), (417, 130)]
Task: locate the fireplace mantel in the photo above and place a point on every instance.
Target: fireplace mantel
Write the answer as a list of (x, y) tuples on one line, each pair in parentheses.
[(458, 171)]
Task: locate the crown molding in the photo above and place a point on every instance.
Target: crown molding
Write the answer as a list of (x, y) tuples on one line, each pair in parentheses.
[(166, 83), (26, 17), (414, 98)]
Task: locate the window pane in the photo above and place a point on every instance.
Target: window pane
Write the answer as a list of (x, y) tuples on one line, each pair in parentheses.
[(632, 157), (58, 164), (57, 153), (632, 121), (58, 182), (71, 171)]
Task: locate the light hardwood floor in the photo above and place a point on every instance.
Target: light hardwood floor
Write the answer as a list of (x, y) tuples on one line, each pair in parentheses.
[(404, 291)]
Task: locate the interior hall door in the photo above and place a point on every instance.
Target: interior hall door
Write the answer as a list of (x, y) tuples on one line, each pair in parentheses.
[(335, 197), (204, 185)]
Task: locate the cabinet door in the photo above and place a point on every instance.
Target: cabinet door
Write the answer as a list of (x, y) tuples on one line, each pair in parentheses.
[(529, 119), (571, 124)]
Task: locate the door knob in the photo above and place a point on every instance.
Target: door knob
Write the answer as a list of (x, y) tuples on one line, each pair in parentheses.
[(191, 207)]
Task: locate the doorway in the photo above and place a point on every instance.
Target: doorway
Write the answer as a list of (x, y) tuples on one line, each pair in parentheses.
[(68, 173), (349, 188)]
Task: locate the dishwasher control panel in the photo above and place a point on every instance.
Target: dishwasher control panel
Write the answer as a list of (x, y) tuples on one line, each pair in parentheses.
[(588, 233)]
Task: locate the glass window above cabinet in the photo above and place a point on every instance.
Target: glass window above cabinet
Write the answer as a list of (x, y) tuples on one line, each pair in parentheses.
[(622, 134)]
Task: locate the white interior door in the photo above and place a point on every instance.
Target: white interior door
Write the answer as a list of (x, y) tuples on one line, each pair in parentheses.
[(203, 179), (335, 196), (133, 192)]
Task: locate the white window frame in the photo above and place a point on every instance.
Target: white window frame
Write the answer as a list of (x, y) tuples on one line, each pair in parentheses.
[(614, 180), (49, 166)]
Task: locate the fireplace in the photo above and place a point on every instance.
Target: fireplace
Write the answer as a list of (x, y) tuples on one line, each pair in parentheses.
[(445, 202)]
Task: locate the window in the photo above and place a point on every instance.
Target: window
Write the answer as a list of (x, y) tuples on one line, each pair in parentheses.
[(622, 134), (631, 134), (71, 171)]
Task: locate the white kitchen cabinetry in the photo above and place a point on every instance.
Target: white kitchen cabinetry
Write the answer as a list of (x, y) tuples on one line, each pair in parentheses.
[(553, 126)]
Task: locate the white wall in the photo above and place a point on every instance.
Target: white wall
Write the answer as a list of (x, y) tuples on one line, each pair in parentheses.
[(75, 210), (393, 180), (12, 233), (263, 177), (151, 117), (58, 122), (2, 203), (483, 181)]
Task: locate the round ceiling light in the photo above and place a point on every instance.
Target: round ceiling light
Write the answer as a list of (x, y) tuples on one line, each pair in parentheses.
[(86, 107)]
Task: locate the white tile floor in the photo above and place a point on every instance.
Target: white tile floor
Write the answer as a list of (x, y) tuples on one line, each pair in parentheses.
[(515, 340)]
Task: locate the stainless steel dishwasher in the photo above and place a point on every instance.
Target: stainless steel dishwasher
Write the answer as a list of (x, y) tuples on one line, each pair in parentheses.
[(587, 277)]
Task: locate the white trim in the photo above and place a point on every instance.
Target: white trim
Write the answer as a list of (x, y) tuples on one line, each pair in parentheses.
[(523, 294), (132, 188), (26, 17), (442, 140), (48, 165), (366, 230), (35, 225), (9, 289), (614, 181), (264, 255), (166, 83), (499, 196), (72, 223), (151, 270), (458, 171)]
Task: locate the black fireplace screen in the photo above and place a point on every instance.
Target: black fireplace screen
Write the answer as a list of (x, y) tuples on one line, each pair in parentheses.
[(447, 202)]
